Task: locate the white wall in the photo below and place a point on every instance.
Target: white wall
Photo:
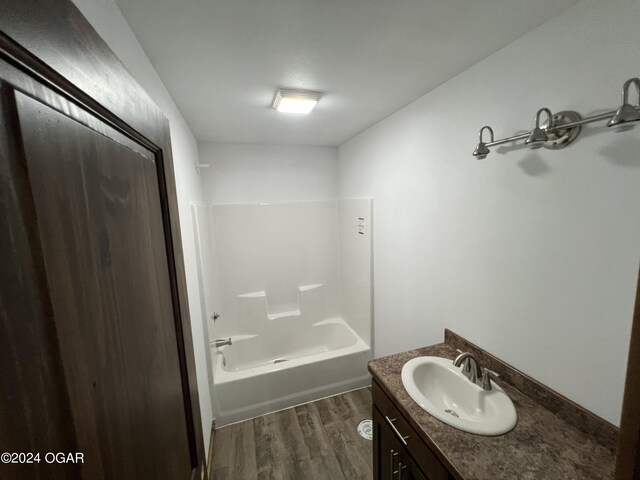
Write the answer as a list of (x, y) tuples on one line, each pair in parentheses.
[(356, 275), (533, 255), (242, 174), (274, 248), (106, 18), (246, 173)]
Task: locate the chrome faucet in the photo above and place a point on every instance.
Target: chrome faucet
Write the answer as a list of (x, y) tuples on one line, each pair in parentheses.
[(221, 342), (469, 365), (471, 370)]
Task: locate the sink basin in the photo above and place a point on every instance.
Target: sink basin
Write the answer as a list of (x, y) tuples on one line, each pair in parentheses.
[(443, 391)]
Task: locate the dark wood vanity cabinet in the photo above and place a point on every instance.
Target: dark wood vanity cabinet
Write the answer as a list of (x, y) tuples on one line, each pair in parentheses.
[(398, 452), (391, 459)]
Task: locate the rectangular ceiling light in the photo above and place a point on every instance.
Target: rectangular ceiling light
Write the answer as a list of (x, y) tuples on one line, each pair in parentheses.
[(295, 101)]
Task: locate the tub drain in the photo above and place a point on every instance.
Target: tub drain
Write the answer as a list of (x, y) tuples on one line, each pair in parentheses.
[(365, 429), (452, 412)]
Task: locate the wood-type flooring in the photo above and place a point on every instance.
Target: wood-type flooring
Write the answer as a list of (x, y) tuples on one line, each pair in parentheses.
[(315, 441)]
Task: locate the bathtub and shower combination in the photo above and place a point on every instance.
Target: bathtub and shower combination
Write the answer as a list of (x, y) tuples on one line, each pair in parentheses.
[(259, 374), (293, 359), (291, 341)]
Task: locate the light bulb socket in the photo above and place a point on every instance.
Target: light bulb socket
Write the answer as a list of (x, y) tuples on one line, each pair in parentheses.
[(626, 114), (538, 136), (481, 151)]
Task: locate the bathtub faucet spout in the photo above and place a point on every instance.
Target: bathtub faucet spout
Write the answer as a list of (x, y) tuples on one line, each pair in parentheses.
[(221, 342)]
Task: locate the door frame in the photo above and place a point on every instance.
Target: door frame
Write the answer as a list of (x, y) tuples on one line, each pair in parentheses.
[(53, 43)]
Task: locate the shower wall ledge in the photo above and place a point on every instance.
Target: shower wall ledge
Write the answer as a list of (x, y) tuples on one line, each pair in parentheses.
[(256, 313)]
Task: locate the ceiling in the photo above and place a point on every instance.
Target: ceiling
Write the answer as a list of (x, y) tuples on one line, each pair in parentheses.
[(222, 60)]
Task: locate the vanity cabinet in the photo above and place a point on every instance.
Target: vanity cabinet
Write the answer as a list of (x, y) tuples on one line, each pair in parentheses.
[(398, 452)]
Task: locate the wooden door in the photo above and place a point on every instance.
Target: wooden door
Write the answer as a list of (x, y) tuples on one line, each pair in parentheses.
[(95, 345)]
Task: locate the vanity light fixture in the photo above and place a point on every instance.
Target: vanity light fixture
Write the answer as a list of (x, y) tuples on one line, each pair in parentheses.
[(627, 114), (563, 128), (295, 101)]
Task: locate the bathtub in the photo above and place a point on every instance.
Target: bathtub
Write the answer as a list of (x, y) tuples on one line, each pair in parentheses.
[(281, 368)]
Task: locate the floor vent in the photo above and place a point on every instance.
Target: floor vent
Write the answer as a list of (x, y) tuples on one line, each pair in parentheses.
[(365, 429)]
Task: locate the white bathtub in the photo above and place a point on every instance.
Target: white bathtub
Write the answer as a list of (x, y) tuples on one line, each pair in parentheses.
[(281, 368)]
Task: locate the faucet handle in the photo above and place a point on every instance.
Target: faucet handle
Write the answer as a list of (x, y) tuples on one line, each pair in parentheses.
[(487, 375)]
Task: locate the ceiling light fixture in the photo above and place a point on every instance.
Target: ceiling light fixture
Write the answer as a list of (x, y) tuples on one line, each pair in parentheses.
[(295, 101)]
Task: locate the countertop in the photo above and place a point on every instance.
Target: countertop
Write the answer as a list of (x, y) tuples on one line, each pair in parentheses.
[(543, 445)]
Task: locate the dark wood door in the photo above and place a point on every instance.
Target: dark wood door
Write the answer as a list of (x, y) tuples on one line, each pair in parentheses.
[(95, 347), (98, 210)]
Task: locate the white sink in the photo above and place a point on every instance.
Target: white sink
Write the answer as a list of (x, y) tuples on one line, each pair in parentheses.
[(443, 391)]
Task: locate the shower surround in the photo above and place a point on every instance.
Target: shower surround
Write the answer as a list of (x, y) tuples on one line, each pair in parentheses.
[(292, 285)]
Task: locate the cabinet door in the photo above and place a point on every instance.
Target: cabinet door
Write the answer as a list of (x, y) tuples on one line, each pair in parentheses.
[(387, 449), (392, 461), (417, 459), (409, 469)]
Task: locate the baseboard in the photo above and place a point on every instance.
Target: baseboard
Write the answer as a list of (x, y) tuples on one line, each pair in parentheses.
[(238, 415)]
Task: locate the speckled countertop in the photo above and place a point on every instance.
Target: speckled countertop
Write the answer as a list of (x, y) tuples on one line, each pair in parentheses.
[(543, 445)]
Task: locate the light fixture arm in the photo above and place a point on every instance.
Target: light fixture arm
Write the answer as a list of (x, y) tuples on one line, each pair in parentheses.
[(486, 127), (627, 86), (545, 110), (481, 151)]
